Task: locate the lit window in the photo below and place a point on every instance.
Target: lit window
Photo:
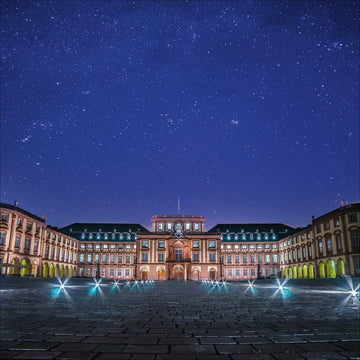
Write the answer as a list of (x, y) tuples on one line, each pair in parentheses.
[(104, 258), (127, 272), (81, 257), (106, 236), (244, 247), (90, 236), (268, 272), (112, 236), (112, 258), (144, 256), (267, 258), (196, 226), (127, 246), (274, 246), (195, 244), (112, 246), (160, 256), (169, 226), (275, 258), (97, 246), (236, 246), (88, 272), (103, 272), (161, 244), (259, 247), (83, 236), (98, 236), (195, 256), (228, 247), (320, 247), (89, 258), (229, 259), (273, 236), (211, 244), (89, 246), (160, 226), (187, 226), (212, 256), (244, 237), (252, 246), (97, 258), (145, 244), (105, 246)]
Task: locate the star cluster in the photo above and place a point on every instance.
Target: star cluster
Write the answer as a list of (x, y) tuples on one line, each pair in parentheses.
[(247, 110)]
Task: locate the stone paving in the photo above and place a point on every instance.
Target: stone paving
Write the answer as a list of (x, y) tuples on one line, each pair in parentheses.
[(308, 319)]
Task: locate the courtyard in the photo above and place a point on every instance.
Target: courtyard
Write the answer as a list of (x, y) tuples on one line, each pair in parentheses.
[(266, 319)]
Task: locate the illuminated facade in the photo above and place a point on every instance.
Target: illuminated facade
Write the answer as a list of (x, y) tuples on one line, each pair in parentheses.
[(179, 248)]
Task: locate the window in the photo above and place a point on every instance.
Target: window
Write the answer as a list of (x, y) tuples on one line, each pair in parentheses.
[(104, 258), (275, 258), (187, 226), (112, 236), (88, 272), (120, 259), (160, 226), (27, 243), (212, 256), (293, 254), (161, 244), (90, 246), (244, 247), (127, 272), (120, 246), (127, 246), (145, 244), (245, 272), (236, 246), (81, 259), (82, 246), (336, 222), (112, 258), (53, 252), (29, 225), (302, 237), (195, 244), (36, 246), (98, 236), (252, 246), (119, 272), (357, 265), (105, 246), (127, 258), (111, 272), (289, 254), (282, 257), (97, 258), (267, 258), (338, 241), (259, 247), (19, 222), (103, 271), (81, 271), (260, 259), (2, 238), (309, 251), (228, 247), (318, 229), (274, 246), (90, 236), (89, 258), (47, 251), (169, 226), (328, 245), (355, 239), (237, 272), (196, 226), (229, 272), (229, 259), (320, 247), (304, 253), (252, 272), (4, 217), (308, 236), (285, 256), (144, 256), (178, 254), (211, 244), (196, 256), (327, 226), (252, 258), (267, 272), (160, 256), (298, 254), (105, 236), (237, 260), (112, 246), (244, 258), (352, 218)]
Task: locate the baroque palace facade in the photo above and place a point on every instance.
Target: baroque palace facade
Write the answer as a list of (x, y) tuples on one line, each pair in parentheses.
[(179, 248)]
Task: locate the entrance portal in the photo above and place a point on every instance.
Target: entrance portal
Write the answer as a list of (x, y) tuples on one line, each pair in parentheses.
[(178, 273), (212, 274), (144, 275)]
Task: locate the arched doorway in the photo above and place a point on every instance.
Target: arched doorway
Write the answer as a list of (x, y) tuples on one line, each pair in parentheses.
[(322, 269), (300, 272), (25, 267), (290, 273), (286, 273), (305, 271), (195, 274), (311, 271), (331, 269), (34, 269), (340, 267), (45, 270), (178, 273), (212, 274), (144, 275), (161, 274), (66, 271), (57, 270), (16, 267), (51, 271), (294, 272)]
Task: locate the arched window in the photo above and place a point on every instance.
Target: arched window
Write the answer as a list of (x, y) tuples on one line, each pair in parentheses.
[(320, 247)]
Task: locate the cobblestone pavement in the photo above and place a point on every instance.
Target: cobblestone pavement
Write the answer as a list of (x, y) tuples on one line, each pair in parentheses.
[(308, 319)]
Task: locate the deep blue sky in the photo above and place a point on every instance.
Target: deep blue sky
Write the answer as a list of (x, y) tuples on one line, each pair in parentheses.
[(247, 110)]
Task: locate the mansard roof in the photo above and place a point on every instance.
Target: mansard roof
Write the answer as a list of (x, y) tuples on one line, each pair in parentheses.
[(276, 228), (104, 227)]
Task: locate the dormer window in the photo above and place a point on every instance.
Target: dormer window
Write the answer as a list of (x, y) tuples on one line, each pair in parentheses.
[(83, 236), (90, 236), (106, 236), (112, 236), (98, 236), (160, 226)]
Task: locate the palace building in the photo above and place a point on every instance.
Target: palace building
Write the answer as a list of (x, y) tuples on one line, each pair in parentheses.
[(179, 248)]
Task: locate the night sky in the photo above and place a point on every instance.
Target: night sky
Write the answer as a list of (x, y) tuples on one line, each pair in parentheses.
[(247, 110)]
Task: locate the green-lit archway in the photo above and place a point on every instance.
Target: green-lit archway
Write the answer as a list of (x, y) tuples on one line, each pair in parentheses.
[(45, 270), (62, 271), (290, 273), (66, 271), (16, 267), (311, 271), (305, 271), (331, 269), (300, 272), (321, 269), (57, 270), (52, 270), (286, 273), (294, 272), (340, 267), (25, 267)]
